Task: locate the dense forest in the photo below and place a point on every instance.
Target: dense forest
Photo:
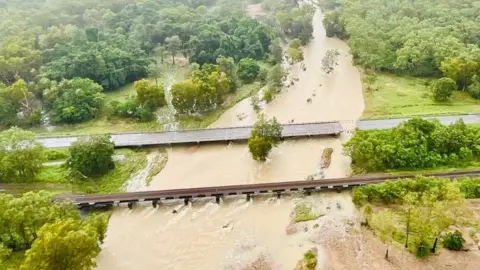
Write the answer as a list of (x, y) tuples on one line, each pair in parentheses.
[(50, 49), (417, 38)]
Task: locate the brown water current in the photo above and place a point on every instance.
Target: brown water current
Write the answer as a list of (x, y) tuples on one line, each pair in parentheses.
[(235, 233)]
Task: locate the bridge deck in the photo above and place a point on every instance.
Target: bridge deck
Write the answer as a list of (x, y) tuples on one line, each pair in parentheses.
[(201, 135), (219, 191)]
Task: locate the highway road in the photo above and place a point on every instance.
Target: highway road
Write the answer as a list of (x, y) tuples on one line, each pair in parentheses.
[(390, 123), (243, 133)]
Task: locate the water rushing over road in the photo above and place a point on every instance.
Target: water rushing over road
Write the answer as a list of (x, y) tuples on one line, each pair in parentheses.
[(235, 233)]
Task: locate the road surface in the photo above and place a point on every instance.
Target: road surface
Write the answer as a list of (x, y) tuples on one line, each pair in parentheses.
[(201, 135), (243, 133)]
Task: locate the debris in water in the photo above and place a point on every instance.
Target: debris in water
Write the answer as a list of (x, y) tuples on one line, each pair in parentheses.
[(309, 100), (174, 211)]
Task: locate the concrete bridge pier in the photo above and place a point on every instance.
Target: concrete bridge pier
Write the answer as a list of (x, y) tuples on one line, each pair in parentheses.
[(155, 203), (279, 195), (186, 201), (249, 197), (130, 205), (217, 199)]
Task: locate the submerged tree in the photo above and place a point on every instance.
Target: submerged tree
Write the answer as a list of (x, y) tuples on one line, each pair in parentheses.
[(265, 135), (330, 60)]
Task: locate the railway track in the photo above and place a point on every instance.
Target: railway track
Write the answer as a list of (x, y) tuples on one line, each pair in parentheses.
[(249, 190)]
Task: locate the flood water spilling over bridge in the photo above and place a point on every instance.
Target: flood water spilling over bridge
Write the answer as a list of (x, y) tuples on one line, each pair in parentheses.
[(218, 192)]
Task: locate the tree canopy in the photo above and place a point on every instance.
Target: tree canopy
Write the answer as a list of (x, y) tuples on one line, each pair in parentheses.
[(265, 135), (21, 156), (415, 143), (92, 156)]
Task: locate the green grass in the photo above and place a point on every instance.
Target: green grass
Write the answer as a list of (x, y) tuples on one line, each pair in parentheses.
[(13, 262), (56, 154), (304, 212), (58, 180), (205, 120), (158, 164), (393, 96)]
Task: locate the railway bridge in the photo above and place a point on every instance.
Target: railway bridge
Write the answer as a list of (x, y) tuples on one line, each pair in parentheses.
[(249, 190)]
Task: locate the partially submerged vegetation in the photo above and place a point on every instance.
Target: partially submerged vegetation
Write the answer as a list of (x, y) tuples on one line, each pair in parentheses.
[(304, 212), (309, 261), (418, 213)]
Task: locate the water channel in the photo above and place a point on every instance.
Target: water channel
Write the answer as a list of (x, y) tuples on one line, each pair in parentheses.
[(231, 235)]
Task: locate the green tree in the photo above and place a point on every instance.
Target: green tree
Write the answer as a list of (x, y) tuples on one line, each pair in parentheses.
[(276, 76), (92, 156), (149, 94), (65, 244), (383, 222), (266, 134), (295, 54), (4, 253), (184, 95), (21, 217), (248, 70), (276, 52), (474, 87), (227, 66), (460, 69), (174, 44), (454, 241), (21, 156), (78, 100), (443, 89)]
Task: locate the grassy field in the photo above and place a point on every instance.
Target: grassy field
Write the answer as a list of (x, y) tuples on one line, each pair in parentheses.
[(57, 179), (391, 96)]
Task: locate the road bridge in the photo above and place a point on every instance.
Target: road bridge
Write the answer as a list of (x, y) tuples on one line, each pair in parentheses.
[(201, 135), (243, 133), (249, 190)]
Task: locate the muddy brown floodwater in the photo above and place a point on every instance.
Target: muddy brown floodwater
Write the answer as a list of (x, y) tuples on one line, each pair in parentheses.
[(235, 233)]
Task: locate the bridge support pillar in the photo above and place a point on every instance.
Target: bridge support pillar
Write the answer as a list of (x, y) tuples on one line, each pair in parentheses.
[(308, 192), (155, 203), (279, 195), (249, 197), (217, 199), (130, 205), (186, 201)]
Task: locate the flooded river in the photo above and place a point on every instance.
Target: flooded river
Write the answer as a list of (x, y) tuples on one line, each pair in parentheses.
[(232, 235)]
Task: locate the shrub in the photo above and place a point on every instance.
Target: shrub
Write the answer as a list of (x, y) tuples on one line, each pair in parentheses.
[(422, 250), (269, 94), (92, 156), (248, 70), (474, 87), (453, 241), (443, 89)]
